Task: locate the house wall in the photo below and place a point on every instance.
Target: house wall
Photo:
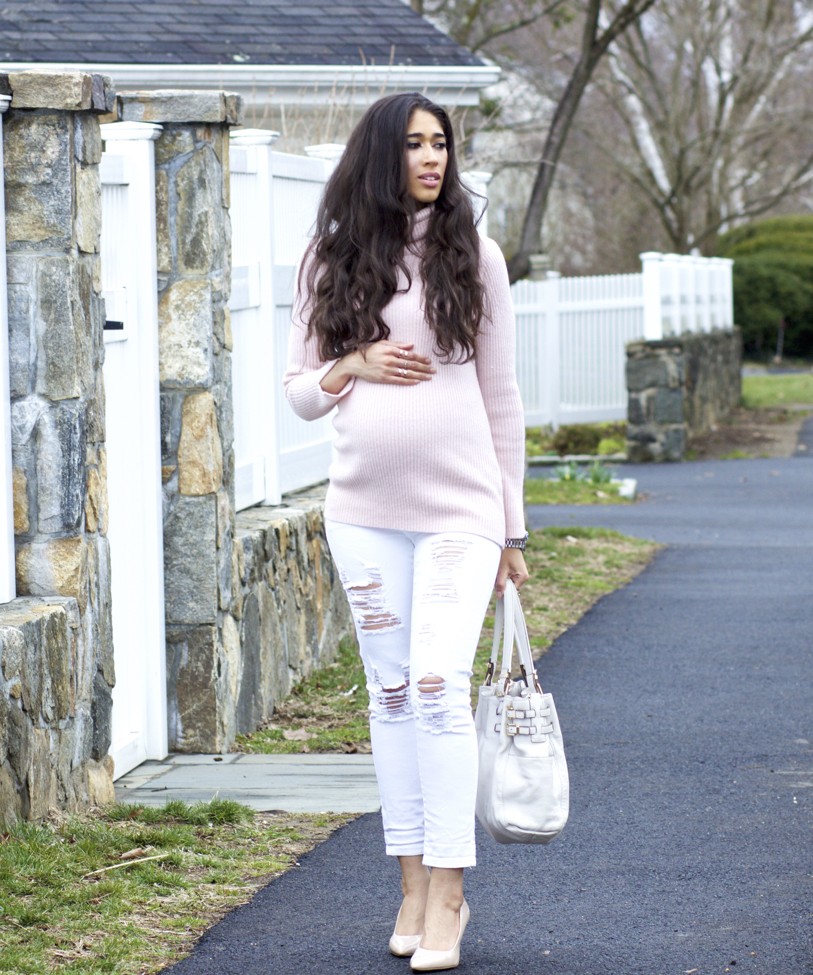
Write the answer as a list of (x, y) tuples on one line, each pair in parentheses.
[(678, 388), (56, 650)]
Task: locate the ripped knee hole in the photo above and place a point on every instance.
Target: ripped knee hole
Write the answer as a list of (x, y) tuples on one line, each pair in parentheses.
[(371, 609)]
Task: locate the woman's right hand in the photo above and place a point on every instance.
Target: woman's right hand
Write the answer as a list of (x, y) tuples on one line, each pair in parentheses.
[(381, 362)]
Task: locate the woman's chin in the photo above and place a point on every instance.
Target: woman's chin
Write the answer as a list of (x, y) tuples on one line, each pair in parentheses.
[(425, 196)]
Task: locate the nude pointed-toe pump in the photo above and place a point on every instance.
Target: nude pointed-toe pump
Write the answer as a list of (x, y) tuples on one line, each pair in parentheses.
[(403, 945), (427, 960)]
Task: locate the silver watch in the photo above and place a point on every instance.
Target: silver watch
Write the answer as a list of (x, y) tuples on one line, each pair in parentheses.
[(517, 542)]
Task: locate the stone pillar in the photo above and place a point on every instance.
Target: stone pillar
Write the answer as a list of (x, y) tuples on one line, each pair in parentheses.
[(203, 601), (60, 707), (678, 388)]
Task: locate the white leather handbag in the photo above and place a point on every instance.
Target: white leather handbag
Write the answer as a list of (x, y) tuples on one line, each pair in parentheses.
[(523, 790)]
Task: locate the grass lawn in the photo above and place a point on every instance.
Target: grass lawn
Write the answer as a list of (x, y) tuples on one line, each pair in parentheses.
[(763, 391), (540, 490), (62, 911), (570, 569)]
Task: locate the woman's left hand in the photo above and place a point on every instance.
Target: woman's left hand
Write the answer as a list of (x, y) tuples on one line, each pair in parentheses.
[(512, 566)]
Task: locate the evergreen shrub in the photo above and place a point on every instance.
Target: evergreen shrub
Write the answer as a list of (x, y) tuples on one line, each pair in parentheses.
[(773, 282)]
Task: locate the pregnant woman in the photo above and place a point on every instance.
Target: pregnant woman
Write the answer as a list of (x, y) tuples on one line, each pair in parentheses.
[(404, 321)]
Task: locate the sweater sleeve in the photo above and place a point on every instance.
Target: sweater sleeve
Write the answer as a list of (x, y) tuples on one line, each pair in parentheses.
[(306, 369), (496, 373)]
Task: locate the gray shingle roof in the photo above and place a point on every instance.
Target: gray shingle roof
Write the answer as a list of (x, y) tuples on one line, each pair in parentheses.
[(223, 32)]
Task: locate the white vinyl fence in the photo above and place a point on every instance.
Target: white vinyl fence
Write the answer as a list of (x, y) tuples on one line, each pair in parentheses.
[(135, 532), (571, 332), (274, 197)]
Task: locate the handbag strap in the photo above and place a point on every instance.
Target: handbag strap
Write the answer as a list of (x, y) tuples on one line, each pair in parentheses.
[(509, 624)]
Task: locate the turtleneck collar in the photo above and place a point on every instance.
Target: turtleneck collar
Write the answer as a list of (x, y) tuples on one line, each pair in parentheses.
[(420, 223)]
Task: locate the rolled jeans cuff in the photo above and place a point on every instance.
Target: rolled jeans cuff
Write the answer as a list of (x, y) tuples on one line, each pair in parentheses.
[(404, 849), (450, 862)]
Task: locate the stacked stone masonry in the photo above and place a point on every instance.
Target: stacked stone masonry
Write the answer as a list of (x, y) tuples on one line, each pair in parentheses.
[(252, 602), (251, 605), (678, 388), (288, 615), (56, 652)]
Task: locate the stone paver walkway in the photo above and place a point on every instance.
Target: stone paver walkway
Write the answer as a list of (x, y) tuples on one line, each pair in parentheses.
[(292, 783)]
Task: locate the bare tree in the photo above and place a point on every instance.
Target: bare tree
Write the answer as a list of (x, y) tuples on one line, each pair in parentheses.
[(601, 26), (476, 24), (713, 97), (503, 30)]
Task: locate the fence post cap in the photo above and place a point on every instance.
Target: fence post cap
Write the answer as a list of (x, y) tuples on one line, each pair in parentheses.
[(253, 137), (131, 131), (330, 151)]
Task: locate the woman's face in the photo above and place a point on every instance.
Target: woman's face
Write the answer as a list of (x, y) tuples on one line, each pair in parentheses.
[(426, 156)]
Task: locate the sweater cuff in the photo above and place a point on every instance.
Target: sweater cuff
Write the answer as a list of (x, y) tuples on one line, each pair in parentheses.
[(514, 519), (331, 399)]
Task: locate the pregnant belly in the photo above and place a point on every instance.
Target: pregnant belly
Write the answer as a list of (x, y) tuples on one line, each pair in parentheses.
[(415, 433)]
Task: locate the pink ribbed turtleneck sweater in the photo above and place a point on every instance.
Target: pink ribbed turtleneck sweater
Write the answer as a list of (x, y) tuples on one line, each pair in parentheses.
[(444, 455)]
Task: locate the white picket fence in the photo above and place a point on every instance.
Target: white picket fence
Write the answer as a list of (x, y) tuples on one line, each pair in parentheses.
[(571, 332)]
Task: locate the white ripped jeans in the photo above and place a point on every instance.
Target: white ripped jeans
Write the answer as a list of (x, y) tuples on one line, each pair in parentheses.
[(418, 601)]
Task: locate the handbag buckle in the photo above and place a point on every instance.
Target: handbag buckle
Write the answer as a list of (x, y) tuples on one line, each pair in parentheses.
[(537, 685)]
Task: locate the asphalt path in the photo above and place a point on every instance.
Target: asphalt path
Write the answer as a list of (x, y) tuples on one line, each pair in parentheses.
[(685, 700)]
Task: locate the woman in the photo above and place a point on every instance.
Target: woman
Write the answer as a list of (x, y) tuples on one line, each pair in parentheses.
[(404, 321)]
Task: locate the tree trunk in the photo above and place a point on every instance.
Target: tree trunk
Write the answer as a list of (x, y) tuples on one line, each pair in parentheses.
[(592, 50), (531, 239)]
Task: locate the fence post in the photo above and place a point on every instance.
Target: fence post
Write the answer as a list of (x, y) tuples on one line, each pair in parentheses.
[(8, 589), (551, 361), (727, 293), (256, 439), (129, 274), (653, 314)]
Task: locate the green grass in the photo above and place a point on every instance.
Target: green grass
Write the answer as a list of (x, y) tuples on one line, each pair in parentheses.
[(326, 706), (539, 490), (760, 392), (570, 569), (57, 915)]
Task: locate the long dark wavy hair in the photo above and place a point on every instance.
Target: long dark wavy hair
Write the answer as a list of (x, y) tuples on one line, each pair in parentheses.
[(363, 228)]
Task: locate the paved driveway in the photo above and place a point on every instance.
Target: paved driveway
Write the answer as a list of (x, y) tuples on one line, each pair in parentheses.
[(685, 699)]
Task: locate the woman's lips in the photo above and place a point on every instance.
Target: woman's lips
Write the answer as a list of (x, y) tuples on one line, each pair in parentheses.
[(431, 179)]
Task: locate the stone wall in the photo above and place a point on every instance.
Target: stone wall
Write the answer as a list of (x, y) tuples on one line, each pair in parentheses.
[(288, 616), (252, 602), (56, 649), (679, 387)]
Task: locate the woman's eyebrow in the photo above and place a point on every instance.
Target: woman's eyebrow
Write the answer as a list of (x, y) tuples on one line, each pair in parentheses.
[(419, 135)]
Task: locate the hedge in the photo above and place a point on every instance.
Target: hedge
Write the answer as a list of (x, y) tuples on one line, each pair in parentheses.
[(773, 282)]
